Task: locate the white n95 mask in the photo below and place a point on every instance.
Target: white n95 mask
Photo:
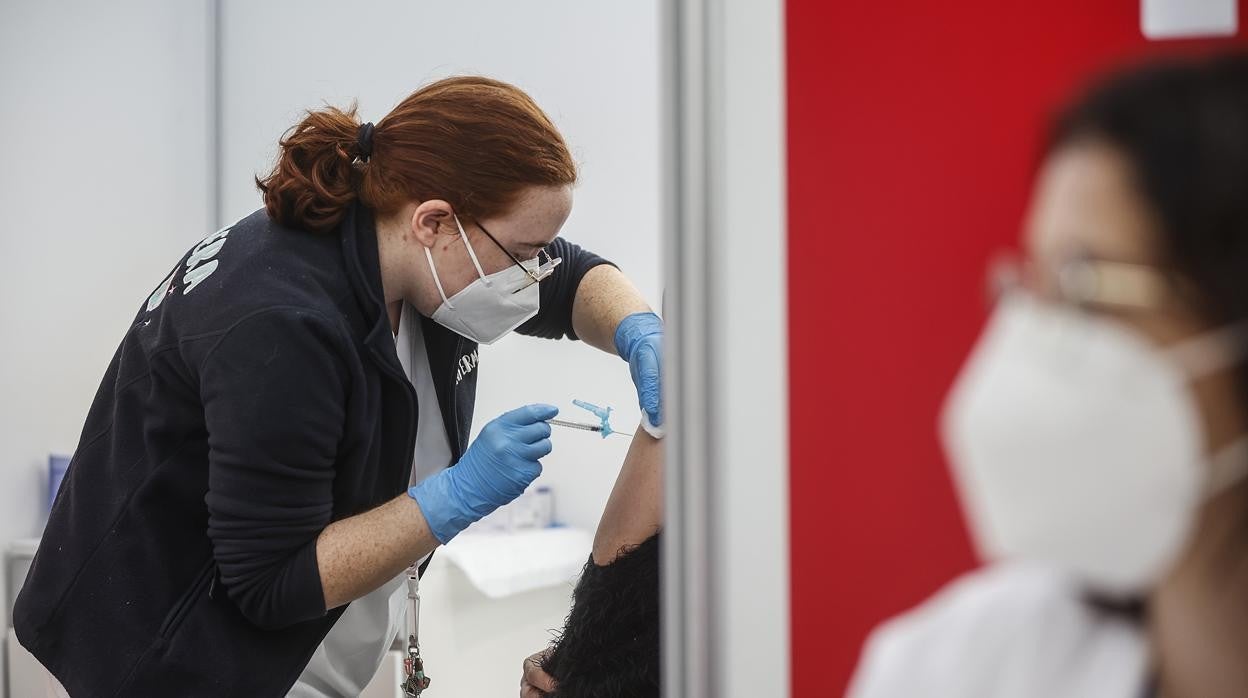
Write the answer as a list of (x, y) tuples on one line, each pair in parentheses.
[(1077, 443), (490, 307)]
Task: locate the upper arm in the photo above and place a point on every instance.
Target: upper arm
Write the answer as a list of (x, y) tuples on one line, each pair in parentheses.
[(634, 511), (274, 393), (558, 293)]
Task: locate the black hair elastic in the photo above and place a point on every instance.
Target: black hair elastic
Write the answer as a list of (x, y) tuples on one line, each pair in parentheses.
[(364, 141)]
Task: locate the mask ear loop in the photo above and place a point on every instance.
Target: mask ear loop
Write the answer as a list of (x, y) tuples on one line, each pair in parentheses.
[(1209, 353), (436, 280), (471, 254), (1228, 467), (1206, 355)]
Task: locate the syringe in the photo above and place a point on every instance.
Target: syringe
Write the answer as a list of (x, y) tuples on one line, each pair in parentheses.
[(603, 414), (596, 428)]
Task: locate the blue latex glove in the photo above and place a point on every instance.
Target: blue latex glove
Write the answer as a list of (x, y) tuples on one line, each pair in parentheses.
[(639, 341), (495, 469)]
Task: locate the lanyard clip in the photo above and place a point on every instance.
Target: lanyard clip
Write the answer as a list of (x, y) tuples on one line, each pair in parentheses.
[(414, 679)]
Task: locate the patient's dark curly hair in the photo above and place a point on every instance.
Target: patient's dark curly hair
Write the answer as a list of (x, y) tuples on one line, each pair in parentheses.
[(609, 647)]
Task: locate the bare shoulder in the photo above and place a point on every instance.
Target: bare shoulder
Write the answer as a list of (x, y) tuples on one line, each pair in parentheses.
[(634, 511)]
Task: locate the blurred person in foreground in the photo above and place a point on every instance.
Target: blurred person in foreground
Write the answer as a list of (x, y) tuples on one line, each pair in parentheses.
[(1098, 432)]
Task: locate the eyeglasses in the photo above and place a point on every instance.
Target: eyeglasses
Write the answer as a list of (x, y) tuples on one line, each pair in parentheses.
[(1090, 283), (543, 270)]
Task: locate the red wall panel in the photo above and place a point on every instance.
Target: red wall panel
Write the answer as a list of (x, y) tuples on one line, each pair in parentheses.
[(913, 131)]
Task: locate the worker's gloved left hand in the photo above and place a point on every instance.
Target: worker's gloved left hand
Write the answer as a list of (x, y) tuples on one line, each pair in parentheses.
[(497, 467), (639, 341)]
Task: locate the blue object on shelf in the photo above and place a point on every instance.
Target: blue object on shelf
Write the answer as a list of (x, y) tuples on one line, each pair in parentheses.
[(57, 466)]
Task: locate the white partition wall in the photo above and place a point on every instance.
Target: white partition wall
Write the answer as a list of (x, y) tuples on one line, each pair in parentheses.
[(726, 578), (104, 186)]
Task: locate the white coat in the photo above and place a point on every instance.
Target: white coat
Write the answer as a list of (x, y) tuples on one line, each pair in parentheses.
[(1007, 631)]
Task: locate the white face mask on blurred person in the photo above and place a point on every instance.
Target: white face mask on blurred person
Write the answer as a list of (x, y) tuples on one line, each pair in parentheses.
[(1077, 443)]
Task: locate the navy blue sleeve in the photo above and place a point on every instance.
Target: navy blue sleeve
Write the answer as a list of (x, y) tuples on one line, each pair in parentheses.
[(274, 390), (554, 319)]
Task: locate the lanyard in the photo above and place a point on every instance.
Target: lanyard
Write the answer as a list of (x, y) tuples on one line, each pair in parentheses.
[(414, 679)]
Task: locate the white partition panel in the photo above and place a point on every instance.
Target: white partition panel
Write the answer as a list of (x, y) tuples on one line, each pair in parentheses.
[(726, 578), (104, 186)]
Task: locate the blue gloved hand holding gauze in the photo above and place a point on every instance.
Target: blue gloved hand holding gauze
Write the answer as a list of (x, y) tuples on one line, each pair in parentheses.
[(639, 341), (497, 467)]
